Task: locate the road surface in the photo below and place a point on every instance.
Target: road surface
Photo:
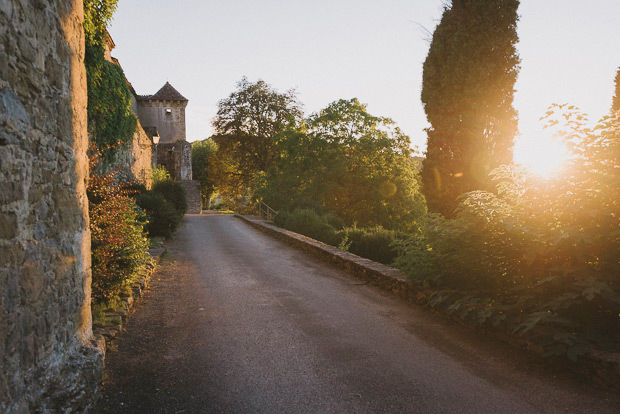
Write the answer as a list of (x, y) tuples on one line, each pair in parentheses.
[(237, 322)]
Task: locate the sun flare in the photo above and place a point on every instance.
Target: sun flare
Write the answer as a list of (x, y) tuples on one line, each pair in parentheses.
[(542, 154)]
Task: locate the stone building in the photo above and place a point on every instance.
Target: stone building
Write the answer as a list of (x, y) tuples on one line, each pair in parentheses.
[(163, 115), (160, 117)]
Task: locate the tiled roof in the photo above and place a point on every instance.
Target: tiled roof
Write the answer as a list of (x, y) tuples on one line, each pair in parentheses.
[(166, 93)]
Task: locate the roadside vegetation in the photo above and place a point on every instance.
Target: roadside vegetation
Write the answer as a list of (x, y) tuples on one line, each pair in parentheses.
[(500, 246), (123, 214)]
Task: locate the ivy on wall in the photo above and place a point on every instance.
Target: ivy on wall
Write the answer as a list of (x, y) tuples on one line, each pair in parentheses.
[(111, 122)]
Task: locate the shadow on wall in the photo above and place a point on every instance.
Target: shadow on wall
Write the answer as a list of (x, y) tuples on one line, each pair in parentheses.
[(49, 360)]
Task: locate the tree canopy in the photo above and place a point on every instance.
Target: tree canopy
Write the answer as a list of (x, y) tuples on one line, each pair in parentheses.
[(467, 92), (203, 154), (246, 125), (351, 163)]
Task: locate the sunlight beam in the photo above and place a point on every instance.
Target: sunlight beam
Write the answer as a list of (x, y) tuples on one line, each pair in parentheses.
[(540, 153)]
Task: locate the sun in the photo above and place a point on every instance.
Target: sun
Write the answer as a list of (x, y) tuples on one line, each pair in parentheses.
[(540, 153)]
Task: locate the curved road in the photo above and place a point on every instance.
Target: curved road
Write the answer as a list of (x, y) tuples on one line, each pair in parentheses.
[(237, 322)]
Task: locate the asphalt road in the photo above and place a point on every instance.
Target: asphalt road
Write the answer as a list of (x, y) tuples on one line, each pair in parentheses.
[(236, 322)]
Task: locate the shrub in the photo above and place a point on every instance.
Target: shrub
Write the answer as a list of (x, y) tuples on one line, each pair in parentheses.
[(374, 243), (281, 218), (333, 220), (540, 257), (304, 203), (160, 173), (134, 188), (174, 193), (163, 218), (310, 224), (118, 243)]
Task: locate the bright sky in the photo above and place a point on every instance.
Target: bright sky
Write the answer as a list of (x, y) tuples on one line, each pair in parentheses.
[(369, 49)]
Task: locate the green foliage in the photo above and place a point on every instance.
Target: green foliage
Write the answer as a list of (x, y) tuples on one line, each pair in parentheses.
[(174, 193), (203, 153), (333, 220), (308, 223), (374, 243), (540, 257), (163, 219), (160, 173), (164, 206), (304, 203), (119, 245), (349, 162), (97, 15), (111, 122), (246, 125), (467, 92), (281, 218)]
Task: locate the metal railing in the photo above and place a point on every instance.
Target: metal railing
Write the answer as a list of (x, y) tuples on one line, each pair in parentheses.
[(265, 212)]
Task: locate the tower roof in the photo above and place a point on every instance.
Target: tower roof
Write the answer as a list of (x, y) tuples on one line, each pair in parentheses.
[(166, 93)]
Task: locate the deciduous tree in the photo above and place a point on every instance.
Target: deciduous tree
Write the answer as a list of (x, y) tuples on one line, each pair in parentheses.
[(203, 154), (352, 163), (246, 125)]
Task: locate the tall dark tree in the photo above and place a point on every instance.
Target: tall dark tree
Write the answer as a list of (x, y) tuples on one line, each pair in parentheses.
[(246, 125), (467, 92), (616, 102)]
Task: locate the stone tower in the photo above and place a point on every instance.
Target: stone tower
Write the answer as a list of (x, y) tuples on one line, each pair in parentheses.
[(163, 115), (166, 111)]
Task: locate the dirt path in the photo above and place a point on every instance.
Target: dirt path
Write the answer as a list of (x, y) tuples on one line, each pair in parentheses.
[(236, 322)]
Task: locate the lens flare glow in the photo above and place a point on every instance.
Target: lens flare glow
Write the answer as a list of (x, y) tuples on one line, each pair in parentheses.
[(542, 154)]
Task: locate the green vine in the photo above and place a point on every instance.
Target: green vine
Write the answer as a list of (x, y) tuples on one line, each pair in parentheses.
[(111, 122)]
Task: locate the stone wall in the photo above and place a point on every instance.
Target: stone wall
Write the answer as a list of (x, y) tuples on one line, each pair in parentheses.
[(184, 160), (177, 158), (168, 116), (194, 198), (134, 161), (49, 362)]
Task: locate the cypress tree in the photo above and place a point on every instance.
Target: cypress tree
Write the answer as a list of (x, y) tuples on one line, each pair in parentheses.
[(467, 92)]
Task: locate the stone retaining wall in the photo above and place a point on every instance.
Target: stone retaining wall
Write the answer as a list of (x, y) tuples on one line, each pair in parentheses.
[(49, 361)]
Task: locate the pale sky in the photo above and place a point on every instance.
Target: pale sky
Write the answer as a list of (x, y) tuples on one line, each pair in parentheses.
[(371, 50)]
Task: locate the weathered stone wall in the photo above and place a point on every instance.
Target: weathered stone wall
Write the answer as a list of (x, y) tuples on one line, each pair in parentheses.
[(141, 157), (170, 125), (194, 198), (184, 160), (134, 161), (177, 158), (48, 360)]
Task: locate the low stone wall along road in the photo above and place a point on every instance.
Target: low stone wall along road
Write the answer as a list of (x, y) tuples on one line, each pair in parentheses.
[(238, 322)]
